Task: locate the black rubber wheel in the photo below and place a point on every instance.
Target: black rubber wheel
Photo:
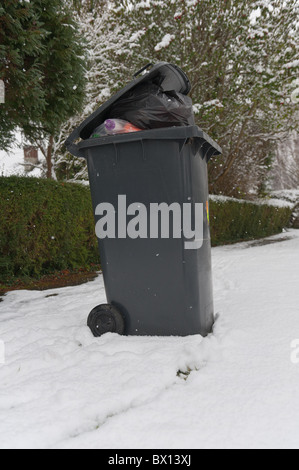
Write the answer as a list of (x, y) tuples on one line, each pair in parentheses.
[(106, 319)]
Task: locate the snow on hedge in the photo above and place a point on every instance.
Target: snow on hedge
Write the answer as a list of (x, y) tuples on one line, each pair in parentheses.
[(269, 202), (291, 195)]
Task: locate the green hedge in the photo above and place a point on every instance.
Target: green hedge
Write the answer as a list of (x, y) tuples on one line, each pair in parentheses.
[(47, 226), (233, 221)]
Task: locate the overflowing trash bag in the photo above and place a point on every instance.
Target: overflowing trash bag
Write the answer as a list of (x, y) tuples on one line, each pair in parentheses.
[(156, 98), (147, 106)]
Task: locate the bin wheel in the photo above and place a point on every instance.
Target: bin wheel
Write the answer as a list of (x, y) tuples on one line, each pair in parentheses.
[(106, 319)]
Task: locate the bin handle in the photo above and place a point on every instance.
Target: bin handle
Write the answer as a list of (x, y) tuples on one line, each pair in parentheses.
[(69, 143), (208, 149), (142, 70)]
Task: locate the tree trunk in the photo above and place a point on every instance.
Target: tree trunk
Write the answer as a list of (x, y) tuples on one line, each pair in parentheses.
[(49, 158)]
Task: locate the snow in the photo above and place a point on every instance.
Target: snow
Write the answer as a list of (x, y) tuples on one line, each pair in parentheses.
[(63, 388), (207, 104), (254, 15), (291, 195), (12, 162), (295, 96), (289, 65), (2, 92), (165, 42), (136, 36), (270, 202)]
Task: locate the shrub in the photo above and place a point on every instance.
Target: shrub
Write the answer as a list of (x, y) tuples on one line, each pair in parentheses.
[(235, 220), (45, 226), (48, 226)]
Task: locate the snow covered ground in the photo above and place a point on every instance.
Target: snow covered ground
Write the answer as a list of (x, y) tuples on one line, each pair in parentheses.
[(63, 388), (12, 162)]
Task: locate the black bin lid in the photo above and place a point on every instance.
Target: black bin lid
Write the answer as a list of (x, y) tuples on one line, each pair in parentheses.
[(168, 76)]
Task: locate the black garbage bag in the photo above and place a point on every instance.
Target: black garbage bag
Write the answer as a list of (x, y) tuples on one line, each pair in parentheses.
[(147, 106)]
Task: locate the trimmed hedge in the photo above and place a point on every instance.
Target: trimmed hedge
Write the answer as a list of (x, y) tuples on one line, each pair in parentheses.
[(234, 221), (46, 226)]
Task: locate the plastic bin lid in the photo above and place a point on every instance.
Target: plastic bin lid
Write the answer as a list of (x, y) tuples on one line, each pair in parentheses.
[(168, 76)]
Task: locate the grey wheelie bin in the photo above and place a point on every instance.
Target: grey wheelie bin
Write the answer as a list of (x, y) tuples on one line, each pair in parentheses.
[(158, 278)]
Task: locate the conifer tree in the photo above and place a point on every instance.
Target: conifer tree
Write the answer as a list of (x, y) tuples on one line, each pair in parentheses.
[(42, 67), (21, 37)]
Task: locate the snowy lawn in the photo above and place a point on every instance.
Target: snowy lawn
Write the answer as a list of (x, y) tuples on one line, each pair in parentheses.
[(63, 388)]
